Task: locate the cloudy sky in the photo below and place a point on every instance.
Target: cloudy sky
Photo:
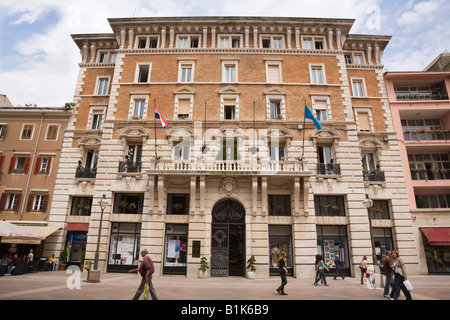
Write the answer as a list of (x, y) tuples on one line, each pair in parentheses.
[(39, 60)]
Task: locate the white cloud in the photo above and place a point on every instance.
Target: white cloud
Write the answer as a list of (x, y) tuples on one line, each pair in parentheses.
[(46, 66), (421, 13)]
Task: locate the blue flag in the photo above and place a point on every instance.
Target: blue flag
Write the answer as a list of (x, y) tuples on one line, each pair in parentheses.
[(308, 115)]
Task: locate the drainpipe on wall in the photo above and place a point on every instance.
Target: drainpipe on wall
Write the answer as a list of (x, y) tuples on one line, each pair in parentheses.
[(32, 164)]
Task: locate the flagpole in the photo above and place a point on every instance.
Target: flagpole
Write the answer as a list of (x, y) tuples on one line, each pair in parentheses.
[(304, 127), (154, 112)]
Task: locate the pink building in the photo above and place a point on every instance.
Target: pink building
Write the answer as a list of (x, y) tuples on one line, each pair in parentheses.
[(420, 109)]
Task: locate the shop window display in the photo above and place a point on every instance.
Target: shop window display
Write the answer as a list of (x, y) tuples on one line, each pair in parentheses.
[(280, 240), (332, 240), (175, 249), (124, 246)]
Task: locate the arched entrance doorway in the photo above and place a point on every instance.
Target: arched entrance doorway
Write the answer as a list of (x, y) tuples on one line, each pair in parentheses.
[(228, 239)]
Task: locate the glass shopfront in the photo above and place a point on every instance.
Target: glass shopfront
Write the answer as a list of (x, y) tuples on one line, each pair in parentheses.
[(332, 242), (175, 249), (280, 240), (124, 247), (76, 247)]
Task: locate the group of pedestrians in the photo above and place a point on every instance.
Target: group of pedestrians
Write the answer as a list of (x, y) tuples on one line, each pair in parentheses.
[(393, 267), (395, 272)]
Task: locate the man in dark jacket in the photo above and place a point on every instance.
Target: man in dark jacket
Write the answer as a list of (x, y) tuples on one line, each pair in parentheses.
[(388, 270), (338, 263), (146, 270)]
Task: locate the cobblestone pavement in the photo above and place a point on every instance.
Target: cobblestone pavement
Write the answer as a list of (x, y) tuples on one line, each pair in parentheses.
[(60, 285)]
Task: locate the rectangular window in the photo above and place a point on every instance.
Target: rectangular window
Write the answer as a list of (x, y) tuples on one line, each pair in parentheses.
[(143, 73), (129, 203), (275, 109), (175, 249), (317, 75), (42, 165), (186, 73), (273, 73), (27, 132), (138, 110), (103, 84), (279, 205), (317, 43), (228, 150), (358, 88), (97, 121), (277, 153), (52, 132), (379, 210), (383, 242), (329, 205), (81, 206), (184, 106), (10, 201), (275, 41), (230, 73), (124, 246), (331, 241), (320, 107), (181, 150), (177, 204), (19, 164), (38, 202), (229, 112), (188, 42), (364, 121), (3, 129), (280, 240)]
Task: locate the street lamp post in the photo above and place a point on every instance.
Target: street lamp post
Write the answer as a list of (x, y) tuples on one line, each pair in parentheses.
[(94, 275), (368, 204)]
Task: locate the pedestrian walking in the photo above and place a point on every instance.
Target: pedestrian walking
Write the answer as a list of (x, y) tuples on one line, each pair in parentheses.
[(321, 270), (363, 268), (146, 270), (338, 263), (388, 270), (283, 272), (399, 277)]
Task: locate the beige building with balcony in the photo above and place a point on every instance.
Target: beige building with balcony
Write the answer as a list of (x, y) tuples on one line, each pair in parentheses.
[(239, 172)]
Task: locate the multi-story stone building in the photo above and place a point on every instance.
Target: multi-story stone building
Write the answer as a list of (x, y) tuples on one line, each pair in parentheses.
[(30, 146), (239, 172), (421, 116)]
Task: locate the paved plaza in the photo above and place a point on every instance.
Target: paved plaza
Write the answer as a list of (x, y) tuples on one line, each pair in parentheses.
[(60, 285)]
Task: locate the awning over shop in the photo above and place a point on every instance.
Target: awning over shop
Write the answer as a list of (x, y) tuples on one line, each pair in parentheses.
[(40, 232), (77, 227), (44, 230), (437, 236)]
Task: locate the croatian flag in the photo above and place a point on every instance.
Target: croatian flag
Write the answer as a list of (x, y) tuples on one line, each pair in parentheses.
[(159, 116), (308, 115)]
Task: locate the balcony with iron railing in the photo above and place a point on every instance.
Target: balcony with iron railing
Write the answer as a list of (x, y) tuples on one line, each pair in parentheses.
[(85, 173), (328, 169), (374, 176), (130, 166)]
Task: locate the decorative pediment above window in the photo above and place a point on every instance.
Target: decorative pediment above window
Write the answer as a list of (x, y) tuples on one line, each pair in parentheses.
[(180, 133), (229, 90), (229, 133), (325, 135), (370, 144), (275, 91), (134, 134), (184, 90), (91, 142), (279, 134)]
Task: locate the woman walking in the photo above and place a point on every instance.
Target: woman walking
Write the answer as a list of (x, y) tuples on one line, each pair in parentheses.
[(320, 268), (399, 277), (363, 268), (283, 272)]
